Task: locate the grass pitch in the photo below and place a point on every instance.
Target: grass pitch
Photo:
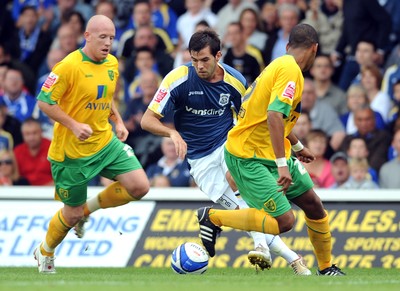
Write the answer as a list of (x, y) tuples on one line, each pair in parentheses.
[(229, 279)]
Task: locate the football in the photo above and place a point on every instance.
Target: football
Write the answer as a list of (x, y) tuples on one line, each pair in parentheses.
[(189, 258)]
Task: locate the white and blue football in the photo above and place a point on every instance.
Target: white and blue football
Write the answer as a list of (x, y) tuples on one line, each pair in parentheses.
[(189, 258)]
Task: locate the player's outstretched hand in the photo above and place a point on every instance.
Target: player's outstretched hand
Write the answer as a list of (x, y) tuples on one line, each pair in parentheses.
[(305, 155)]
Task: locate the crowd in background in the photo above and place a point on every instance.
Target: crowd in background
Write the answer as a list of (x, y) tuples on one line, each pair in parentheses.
[(350, 104)]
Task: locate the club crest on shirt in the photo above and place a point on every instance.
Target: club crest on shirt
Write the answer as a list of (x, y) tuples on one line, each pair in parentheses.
[(224, 99), (111, 75), (289, 90), (51, 79)]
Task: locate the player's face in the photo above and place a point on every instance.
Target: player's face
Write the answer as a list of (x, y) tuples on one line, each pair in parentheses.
[(205, 63), (100, 42), (311, 54)]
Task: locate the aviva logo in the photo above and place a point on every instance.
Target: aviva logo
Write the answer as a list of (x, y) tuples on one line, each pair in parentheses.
[(101, 91)]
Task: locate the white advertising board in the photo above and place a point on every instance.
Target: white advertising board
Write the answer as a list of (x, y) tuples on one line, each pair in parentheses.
[(112, 234)]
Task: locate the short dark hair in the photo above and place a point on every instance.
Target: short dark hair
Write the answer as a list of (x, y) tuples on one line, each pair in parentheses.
[(32, 120), (204, 38), (144, 49), (203, 22), (28, 7), (67, 15), (137, 2), (303, 36)]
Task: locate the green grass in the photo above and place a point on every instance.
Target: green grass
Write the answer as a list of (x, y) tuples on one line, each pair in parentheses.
[(229, 279)]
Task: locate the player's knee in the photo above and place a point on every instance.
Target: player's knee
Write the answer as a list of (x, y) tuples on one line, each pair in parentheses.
[(139, 190), (73, 215), (313, 207), (286, 221)]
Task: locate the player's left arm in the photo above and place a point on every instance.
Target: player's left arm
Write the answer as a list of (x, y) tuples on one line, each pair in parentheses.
[(115, 117)]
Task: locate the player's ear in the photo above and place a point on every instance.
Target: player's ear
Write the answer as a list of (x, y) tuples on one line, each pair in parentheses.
[(218, 56)]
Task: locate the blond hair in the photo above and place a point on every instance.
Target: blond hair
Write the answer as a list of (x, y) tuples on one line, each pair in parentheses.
[(358, 163)]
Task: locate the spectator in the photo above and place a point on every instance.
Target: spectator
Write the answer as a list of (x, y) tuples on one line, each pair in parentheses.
[(53, 57), (387, 177), (362, 19), (196, 11), (356, 98), (269, 18), (19, 103), (11, 125), (230, 13), (76, 21), (393, 58), (64, 6), (377, 140), (144, 37), (371, 80), (143, 61), (141, 15), (320, 168), (164, 17), (6, 139), (7, 27), (303, 126), (358, 150), (340, 169), (161, 181), (289, 17), (9, 174), (7, 60), (169, 166), (34, 41), (365, 56), (393, 8), (146, 145), (252, 30), (359, 176), (122, 11), (31, 155), (327, 18), (66, 39), (395, 110), (40, 5), (3, 70), (391, 77), (322, 71), (243, 57), (322, 115)]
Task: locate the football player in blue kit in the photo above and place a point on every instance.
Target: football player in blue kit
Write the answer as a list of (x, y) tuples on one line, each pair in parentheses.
[(205, 96)]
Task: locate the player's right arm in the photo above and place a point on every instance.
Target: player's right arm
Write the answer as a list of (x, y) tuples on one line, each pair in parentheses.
[(151, 122), (81, 131)]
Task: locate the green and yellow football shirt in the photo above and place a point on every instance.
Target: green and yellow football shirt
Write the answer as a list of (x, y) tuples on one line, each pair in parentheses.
[(83, 89), (278, 88)]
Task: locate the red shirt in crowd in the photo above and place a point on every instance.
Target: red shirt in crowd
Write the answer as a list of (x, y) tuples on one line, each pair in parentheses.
[(36, 170)]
